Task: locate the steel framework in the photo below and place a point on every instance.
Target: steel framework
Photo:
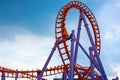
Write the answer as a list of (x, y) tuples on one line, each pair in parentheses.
[(70, 67)]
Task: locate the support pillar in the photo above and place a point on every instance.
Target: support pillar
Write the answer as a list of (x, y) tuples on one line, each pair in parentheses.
[(91, 64), (64, 76), (16, 76), (78, 37), (47, 62), (3, 76), (92, 60), (104, 77), (71, 76)]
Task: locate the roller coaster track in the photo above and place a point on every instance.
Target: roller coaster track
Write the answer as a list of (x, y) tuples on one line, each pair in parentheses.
[(33, 74), (61, 32)]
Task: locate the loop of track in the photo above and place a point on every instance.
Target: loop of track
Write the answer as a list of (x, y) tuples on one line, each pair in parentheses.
[(61, 32)]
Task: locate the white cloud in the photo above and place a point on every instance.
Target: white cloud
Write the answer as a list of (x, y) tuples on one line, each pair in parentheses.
[(108, 19), (26, 50), (26, 44), (108, 35), (116, 69), (112, 32), (119, 5), (109, 13)]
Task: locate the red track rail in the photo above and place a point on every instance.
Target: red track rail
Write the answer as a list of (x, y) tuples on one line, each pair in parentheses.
[(33, 74), (61, 32)]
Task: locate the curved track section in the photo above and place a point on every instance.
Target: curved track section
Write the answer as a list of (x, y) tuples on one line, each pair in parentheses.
[(62, 34), (33, 74)]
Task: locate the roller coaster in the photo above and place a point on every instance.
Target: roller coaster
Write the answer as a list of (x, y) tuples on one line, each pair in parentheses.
[(69, 46)]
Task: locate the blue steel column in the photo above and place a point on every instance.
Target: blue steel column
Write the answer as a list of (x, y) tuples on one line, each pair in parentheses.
[(78, 36), (47, 62), (3, 76), (64, 76), (72, 56), (65, 73), (16, 76), (92, 66), (94, 48), (92, 60)]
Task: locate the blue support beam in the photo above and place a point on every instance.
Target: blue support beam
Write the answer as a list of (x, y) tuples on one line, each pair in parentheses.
[(104, 77), (71, 76), (78, 37), (47, 62), (16, 76), (91, 64), (92, 60), (3, 76), (64, 76)]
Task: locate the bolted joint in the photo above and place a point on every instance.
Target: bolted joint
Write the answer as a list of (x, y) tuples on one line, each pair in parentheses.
[(86, 25), (54, 48), (79, 28), (90, 49), (73, 35)]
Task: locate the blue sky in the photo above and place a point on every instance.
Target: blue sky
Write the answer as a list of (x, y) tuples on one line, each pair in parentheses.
[(27, 32)]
